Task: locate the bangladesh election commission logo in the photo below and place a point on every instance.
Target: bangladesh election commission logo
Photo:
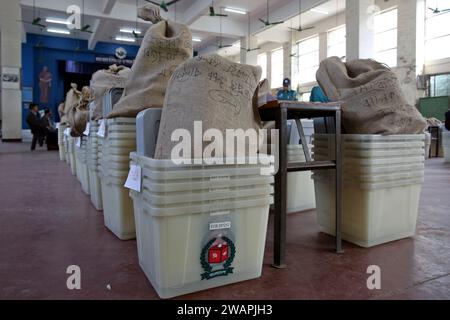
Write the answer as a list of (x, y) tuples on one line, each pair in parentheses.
[(216, 258)]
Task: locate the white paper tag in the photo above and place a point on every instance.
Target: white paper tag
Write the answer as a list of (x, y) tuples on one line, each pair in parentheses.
[(78, 142), (102, 129), (134, 178), (67, 132), (88, 129), (57, 125), (220, 225)]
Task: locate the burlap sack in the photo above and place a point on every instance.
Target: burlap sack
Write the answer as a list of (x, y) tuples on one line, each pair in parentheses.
[(165, 46), (78, 115), (371, 97), (103, 80), (73, 96), (211, 89)]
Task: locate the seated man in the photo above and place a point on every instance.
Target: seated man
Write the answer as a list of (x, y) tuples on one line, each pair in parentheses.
[(317, 95), (37, 126), (286, 94)]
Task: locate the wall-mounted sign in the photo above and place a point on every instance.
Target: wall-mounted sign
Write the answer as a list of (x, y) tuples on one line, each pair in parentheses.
[(11, 78), (121, 53), (113, 60)]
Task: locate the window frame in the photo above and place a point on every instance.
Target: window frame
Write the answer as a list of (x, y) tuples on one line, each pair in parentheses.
[(272, 82), (378, 34), (300, 55)]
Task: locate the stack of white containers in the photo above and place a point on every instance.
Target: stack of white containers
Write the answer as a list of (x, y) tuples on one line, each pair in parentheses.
[(446, 144), (200, 226), (382, 179), (72, 158), (61, 143), (66, 148), (300, 186), (81, 167), (92, 164), (117, 206)]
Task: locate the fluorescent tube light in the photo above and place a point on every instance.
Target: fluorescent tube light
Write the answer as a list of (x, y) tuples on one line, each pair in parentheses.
[(124, 30), (60, 31), (58, 21), (238, 11), (319, 11), (196, 39), (125, 39)]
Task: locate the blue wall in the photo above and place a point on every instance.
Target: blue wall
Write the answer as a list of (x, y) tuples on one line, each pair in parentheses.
[(49, 52)]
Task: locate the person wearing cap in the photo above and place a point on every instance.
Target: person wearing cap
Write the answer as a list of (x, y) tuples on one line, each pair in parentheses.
[(286, 94)]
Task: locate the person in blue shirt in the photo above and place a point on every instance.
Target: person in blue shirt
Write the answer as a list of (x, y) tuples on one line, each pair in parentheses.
[(317, 95), (286, 94)]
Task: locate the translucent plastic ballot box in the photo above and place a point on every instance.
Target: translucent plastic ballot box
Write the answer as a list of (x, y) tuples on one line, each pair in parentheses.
[(199, 226)]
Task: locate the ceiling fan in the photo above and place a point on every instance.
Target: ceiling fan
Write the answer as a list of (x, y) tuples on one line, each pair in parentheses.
[(212, 12), (437, 10), (300, 28), (136, 35), (36, 20), (267, 22), (163, 5), (220, 44), (249, 48)]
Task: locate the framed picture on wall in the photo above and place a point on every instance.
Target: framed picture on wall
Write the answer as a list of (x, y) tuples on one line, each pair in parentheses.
[(11, 78)]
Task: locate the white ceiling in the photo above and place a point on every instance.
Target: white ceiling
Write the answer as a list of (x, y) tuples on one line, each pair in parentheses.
[(107, 17)]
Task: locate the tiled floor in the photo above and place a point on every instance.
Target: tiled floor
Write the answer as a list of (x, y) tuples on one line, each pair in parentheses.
[(47, 223)]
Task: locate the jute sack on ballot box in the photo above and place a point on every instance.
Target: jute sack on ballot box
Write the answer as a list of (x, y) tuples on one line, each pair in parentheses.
[(166, 45), (371, 98), (213, 90), (103, 80), (78, 115), (73, 96)]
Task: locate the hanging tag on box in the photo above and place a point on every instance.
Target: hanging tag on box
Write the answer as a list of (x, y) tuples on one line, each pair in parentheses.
[(134, 178), (87, 130), (102, 129), (78, 142)]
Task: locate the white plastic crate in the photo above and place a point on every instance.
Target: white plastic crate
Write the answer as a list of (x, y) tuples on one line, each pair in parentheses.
[(446, 145), (61, 144), (300, 192), (66, 149), (72, 157), (117, 209), (95, 190), (373, 213), (182, 206), (175, 249)]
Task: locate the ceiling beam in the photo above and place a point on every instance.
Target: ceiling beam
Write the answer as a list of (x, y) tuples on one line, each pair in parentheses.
[(284, 12), (196, 11), (95, 36), (108, 6), (230, 28)]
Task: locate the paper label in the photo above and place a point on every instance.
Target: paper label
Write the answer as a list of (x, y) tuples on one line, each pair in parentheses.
[(57, 125), (220, 225), (67, 132), (102, 129), (134, 178), (78, 142), (88, 129)]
